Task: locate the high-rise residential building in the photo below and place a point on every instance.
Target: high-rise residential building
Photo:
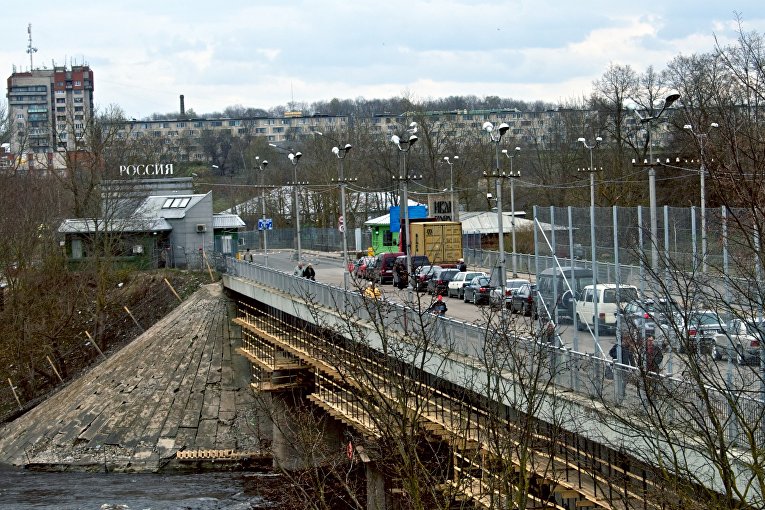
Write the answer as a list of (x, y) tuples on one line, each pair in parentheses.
[(49, 111)]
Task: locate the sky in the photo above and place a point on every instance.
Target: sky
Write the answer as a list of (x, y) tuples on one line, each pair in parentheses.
[(266, 53)]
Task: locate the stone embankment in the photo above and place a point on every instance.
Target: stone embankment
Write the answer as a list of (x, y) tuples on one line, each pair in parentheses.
[(178, 388)]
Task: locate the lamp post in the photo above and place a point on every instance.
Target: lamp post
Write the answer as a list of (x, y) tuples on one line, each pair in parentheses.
[(404, 146), (496, 136), (652, 182), (591, 170), (701, 138), (341, 155), (294, 158), (262, 167), (455, 216), (513, 176)]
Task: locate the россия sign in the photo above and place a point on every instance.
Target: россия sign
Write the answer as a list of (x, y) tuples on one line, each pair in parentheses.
[(150, 169)]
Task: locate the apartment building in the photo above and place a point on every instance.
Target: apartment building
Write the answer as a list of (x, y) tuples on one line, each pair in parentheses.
[(183, 136), (48, 111)]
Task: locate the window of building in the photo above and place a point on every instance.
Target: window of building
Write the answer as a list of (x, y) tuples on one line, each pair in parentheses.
[(180, 124), (165, 125), (278, 130), (216, 123), (61, 109), (235, 123), (60, 100), (78, 108), (176, 202), (199, 124), (77, 83), (78, 100)]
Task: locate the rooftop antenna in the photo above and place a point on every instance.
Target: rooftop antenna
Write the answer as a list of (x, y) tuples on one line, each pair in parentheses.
[(30, 49)]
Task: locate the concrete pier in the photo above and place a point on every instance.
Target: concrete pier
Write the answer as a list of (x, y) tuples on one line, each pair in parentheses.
[(179, 387)]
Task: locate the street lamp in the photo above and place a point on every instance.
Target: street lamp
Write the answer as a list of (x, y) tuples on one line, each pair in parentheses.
[(591, 170), (496, 136), (262, 167), (652, 181), (451, 186), (701, 137), (404, 146), (341, 154), (294, 158), (513, 176)]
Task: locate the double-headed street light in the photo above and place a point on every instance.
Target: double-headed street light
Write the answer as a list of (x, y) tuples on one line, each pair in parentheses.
[(451, 186), (591, 170), (513, 176), (495, 136), (701, 137), (294, 158), (262, 167), (652, 181), (341, 154), (404, 146)]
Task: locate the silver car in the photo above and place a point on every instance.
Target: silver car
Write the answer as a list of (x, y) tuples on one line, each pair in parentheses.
[(740, 341), (500, 296)]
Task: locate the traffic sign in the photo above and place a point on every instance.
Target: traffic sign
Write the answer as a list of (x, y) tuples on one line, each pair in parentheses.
[(265, 224), (341, 224)]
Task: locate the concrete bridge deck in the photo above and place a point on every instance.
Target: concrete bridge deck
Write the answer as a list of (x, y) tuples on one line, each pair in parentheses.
[(176, 396)]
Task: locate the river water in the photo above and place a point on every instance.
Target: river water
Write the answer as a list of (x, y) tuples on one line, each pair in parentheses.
[(22, 490)]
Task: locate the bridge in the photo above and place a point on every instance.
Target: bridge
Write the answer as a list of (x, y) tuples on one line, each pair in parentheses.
[(491, 418)]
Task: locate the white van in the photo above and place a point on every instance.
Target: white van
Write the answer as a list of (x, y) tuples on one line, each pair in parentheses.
[(605, 294)]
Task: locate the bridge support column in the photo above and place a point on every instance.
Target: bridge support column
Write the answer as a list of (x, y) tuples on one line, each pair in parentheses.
[(294, 442), (376, 495)]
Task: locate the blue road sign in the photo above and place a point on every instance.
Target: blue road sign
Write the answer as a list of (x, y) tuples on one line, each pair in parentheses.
[(266, 224)]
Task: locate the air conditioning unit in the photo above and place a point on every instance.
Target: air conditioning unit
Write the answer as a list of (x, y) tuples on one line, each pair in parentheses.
[(201, 227)]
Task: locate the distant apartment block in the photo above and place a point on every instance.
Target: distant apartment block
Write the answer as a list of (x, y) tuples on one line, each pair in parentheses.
[(48, 111)]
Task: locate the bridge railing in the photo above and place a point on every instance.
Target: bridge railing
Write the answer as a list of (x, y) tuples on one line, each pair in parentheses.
[(595, 377)]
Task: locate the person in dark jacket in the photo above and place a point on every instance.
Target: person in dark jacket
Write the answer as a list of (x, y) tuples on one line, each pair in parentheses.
[(461, 265), (438, 307), (309, 273)]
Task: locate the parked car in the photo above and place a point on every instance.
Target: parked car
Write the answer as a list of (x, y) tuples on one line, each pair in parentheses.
[(478, 290), (636, 318), (553, 289), (422, 275), (740, 341), (455, 288), (439, 285), (695, 330), (522, 300), (503, 297), (400, 274), (360, 267), (609, 297), (380, 269)]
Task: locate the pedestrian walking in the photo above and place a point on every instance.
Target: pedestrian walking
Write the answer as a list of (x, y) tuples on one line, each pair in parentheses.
[(248, 256), (461, 265), (309, 273), (298, 270), (372, 291)]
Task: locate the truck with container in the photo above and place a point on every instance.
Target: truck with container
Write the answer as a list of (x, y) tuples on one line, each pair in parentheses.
[(440, 241)]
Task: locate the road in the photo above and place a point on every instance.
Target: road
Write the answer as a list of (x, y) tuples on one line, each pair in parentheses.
[(329, 270)]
